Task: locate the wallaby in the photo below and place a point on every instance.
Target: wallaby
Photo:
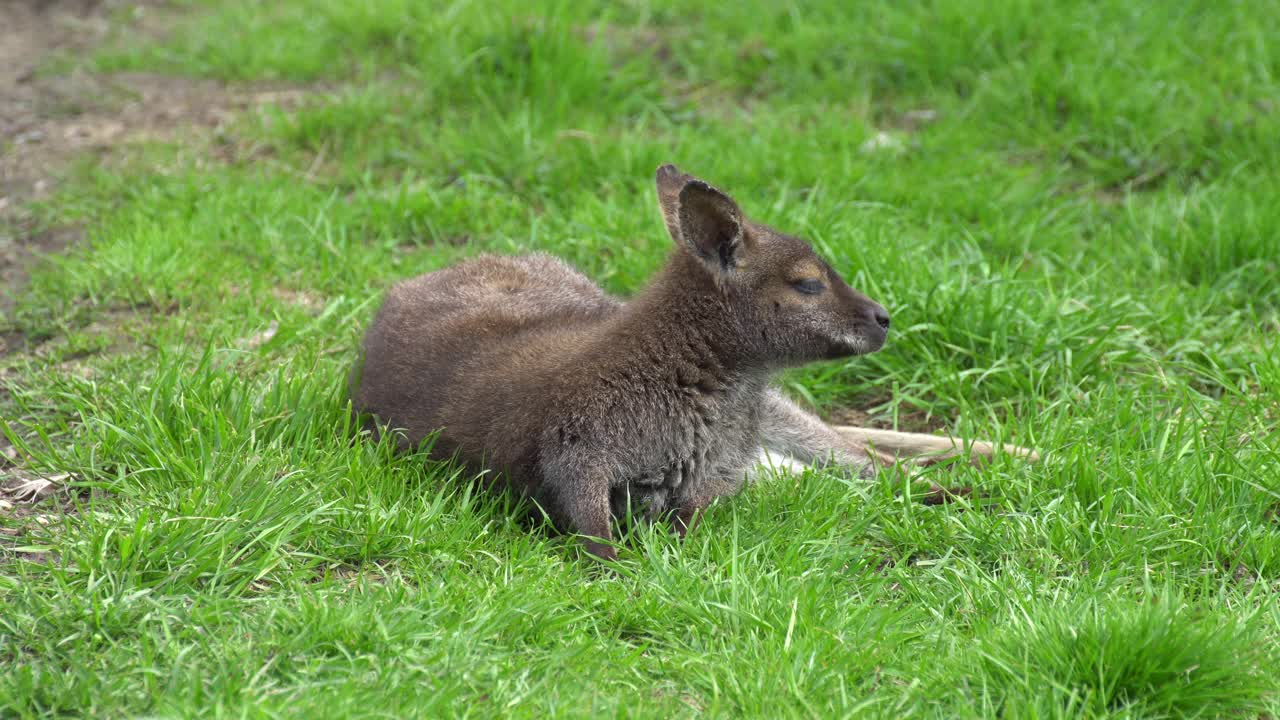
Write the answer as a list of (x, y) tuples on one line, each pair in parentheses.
[(596, 408)]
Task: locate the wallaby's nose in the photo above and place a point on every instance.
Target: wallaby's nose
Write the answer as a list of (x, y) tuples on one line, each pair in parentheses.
[(882, 317)]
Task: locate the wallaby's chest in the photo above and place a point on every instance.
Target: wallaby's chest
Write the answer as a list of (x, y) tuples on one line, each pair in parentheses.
[(700, 449)]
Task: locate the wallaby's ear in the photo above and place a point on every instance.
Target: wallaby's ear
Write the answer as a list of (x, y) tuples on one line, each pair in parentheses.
[(700, 217)]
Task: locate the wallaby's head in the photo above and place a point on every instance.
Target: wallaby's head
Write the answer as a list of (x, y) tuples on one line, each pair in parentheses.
[(794, 306)]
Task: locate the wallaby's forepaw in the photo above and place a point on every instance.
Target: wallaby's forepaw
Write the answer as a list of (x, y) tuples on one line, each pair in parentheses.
[(601, 551)]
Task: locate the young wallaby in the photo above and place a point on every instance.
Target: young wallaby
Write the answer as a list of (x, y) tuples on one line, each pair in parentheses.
[(594, 407)]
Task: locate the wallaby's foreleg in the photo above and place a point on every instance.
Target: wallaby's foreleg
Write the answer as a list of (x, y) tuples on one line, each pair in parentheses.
[(686, 518), (687, 510), (790, 435), (585, 506)]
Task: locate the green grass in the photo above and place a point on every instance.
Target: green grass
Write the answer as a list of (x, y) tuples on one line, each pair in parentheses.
[(1080, 253)]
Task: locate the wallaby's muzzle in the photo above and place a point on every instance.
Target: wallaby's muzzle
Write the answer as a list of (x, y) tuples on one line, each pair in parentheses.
[(867, 336), (877, 325), (865, 322)]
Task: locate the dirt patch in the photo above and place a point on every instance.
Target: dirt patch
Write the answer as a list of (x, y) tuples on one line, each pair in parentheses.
[(19, 490), (908, 421), (8, 453), (29, 502), (353, 574), (31, 31), (22, 245), (939, 495), (46, 121), (627, 42), (42, 124)]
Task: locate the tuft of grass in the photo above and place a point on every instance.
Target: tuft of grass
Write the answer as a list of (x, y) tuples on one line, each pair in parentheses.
[(1150, 658)]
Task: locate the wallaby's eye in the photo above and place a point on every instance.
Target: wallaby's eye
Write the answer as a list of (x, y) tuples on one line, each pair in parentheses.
[(808, 286)]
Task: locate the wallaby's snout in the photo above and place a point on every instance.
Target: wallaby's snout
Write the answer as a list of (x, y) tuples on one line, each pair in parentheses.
[(878, 328), (882, 317), (865, 322), (869, 327)]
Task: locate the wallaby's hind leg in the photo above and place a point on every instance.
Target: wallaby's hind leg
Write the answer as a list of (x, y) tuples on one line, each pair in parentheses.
[(927, 449)]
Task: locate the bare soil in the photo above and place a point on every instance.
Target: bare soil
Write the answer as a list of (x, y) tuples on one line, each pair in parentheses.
[(47, 120), (909, 421)]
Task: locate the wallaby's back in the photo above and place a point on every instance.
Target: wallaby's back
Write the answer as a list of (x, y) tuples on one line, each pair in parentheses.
[(438, 336)]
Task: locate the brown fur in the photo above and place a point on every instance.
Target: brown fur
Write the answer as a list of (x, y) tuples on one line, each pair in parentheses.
[(594, 407)]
